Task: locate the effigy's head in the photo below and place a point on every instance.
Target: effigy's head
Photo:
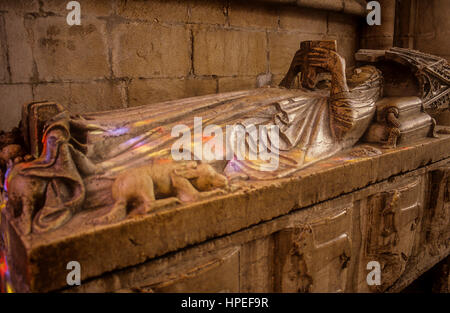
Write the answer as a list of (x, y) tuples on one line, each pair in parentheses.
[(364, 75), (367, 79)]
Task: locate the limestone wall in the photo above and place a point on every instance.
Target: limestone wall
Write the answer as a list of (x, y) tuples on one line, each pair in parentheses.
[(381, 36), (424, 25), (129, 53)]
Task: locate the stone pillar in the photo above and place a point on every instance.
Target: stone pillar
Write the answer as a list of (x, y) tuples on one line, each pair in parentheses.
[(405, 19), (380, 36), (424, 26)]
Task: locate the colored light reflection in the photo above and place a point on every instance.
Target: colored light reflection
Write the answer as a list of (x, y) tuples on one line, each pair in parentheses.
[(5, 285), (118, 131)]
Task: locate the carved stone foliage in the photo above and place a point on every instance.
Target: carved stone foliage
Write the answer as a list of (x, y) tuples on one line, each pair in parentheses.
[(433, 73), (314, 257), (392, 219)]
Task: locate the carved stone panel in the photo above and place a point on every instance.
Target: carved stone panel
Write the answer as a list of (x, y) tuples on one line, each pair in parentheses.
[(389, 228), (438, 217), (217, 273), (314, 257)]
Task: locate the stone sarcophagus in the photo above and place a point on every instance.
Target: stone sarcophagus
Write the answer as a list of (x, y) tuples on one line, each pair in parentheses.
[(332, 178)]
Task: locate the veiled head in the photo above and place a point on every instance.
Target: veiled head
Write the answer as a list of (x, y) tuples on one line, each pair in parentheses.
[(362, 76)]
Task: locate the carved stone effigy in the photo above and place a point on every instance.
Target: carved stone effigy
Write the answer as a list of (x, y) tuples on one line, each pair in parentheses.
[(361, 177)]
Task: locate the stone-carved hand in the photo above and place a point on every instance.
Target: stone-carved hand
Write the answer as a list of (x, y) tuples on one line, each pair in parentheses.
[(332, 62), (326, 59), (295, 68)]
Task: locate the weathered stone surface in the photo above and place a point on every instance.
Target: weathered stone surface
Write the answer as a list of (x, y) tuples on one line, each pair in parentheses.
[(342, 25), (88, 8), (96, 96), (276, 79), (20, 6), (433, 27), (57, 92), (355, 7), (159, 10), (148, 50), (427, 30), (19, 46), (153, 90), (236, 83), (83, 97), (253, 15), (376, 43), (228, 52), (4, 75), (443, 118), (208, 12), (283, 46), (75, 52), (140, 239), (12, 99), (303, 19)]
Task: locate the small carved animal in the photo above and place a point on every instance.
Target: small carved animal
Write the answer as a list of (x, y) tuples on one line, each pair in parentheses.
[(160, 185)]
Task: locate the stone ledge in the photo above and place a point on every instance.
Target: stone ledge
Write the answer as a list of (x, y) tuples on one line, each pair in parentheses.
[(354, 7), (134, 241)]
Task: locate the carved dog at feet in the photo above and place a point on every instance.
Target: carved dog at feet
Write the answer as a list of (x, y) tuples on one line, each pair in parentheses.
[(160, 185), (25, 196)]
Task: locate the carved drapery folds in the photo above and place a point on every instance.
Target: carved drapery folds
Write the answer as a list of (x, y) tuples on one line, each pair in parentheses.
[(45, 193)]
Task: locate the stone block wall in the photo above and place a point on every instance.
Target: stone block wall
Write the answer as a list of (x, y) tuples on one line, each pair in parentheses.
[(133, 52), (424, 25)]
